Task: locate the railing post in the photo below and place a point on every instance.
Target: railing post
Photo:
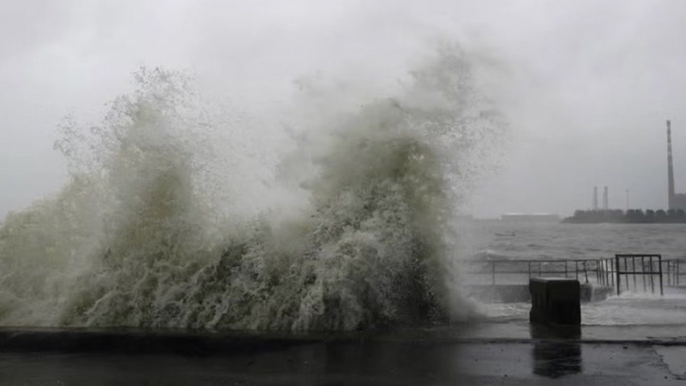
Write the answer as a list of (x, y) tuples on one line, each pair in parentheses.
[(576, 269), (565, 269), (585, 271), (626, 272), (633, 269), (643, 273), (618, 278), (611, 265), (652, 279), (662, 290)]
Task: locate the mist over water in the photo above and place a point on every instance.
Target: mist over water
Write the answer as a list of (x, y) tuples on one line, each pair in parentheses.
[(152, 230)]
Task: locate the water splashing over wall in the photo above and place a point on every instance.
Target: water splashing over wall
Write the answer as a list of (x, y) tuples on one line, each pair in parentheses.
[(135, 240)]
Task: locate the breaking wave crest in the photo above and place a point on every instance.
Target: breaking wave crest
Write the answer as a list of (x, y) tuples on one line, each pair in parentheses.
[(136, 238)]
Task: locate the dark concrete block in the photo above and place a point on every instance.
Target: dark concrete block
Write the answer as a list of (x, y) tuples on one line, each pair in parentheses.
[(555, 301)]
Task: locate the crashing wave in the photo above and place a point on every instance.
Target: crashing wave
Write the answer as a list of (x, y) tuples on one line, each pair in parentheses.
[(134, 239)]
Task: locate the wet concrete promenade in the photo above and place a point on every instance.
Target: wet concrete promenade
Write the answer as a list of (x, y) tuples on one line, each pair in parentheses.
[(476, 354)]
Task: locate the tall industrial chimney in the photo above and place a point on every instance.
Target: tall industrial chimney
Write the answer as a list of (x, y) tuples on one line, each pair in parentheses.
[(670, 167), (605, 199), (595, 198)]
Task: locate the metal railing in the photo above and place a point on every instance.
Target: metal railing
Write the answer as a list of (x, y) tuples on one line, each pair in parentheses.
[(673, 273), (586, 270), (648, 268), (629, 271)]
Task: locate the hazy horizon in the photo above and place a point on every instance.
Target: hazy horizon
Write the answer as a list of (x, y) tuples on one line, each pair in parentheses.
[(586, 87)]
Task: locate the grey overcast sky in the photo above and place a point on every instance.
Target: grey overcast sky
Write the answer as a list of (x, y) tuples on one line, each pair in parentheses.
[(586, 85)]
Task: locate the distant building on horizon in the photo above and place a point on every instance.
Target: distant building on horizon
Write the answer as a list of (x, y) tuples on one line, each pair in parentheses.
[(595, 198), (675, 200), (606, 199), (542, 217)]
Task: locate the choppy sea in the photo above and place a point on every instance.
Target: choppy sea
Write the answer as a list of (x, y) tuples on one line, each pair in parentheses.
[(531, 240)]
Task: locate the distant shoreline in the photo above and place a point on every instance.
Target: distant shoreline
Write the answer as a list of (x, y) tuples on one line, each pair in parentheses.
[(631, 216)]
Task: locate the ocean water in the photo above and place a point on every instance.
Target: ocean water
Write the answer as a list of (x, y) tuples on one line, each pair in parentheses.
[(492, 239), (496, 240)]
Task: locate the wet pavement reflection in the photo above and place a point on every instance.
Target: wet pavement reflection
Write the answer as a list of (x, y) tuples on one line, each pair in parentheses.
[(556, 351), (433, 356)]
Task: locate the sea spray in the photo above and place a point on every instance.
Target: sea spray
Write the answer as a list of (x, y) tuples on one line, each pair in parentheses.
[(134, 240)]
